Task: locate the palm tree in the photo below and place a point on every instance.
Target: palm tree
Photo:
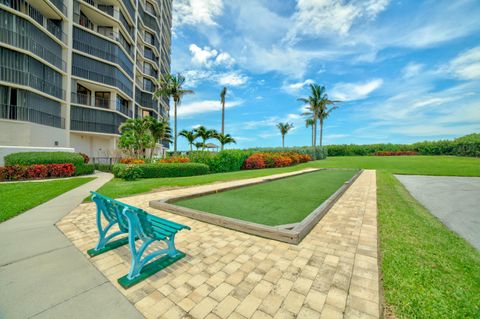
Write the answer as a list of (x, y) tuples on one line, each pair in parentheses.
[(160, 131), (171, 86), (225, 139), (135, 135), (204, 134), (190, 136), (284, 128), (317, 108), (223, 93), (310, 122), (199, 145)]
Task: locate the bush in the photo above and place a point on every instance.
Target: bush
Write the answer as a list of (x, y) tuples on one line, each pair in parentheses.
[(174, 159), (223, 161), (107, 168), (270, 160), (85, 169), (164, 170), (86, 159), (129, 172), (36, 171), (318, 153), (31, 158), (395, 153), (131, 160)]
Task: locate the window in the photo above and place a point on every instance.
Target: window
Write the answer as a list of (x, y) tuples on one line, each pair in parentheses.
[(85, 21), (149, 38), (148, 85), (102, 99), (83, 95), (150, 8), (106, 31)]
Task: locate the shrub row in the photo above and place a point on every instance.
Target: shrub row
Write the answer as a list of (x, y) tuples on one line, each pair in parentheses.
[(159, 170), (36, 171), (468, 145), (31, 158), (270, 160), (85, 169), (174, 159), (223, 161), (318, 153), (395, 153)]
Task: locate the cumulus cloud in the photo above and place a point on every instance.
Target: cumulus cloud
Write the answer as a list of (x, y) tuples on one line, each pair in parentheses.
[(202, 57), (355, 91), (231, 79), (200, 107), (196, 12)]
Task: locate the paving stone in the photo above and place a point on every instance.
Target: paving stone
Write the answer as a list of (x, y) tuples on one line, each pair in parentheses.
[(228, 274)]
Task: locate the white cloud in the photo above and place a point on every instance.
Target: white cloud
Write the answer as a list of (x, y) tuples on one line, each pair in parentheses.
[(412, 69), (466, 65), (231, 79), (294, 88), (196, 12), (202, 57), (224, 59), (193, 77), (320, 17), (199, 107), (355, 91)]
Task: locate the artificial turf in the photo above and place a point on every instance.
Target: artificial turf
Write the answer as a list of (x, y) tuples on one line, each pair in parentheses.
[(284, 201)]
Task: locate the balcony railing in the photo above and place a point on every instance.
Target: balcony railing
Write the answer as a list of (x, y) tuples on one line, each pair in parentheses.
[(22, 113), (99, 77), (60, 6), (22, 77), (86, 126), (124, 109), (130, 9), (28, 43), (24, 7)]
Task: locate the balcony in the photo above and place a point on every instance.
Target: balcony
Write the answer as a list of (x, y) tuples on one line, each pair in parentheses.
[(88, 126), (130, 9), (23, 77), (60, 6), (55, 28), (29, 43), (91, 120), (22, 113), (124, 110), (89, 100)]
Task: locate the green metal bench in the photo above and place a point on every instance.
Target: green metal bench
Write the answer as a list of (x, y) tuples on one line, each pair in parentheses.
[(139, 225)]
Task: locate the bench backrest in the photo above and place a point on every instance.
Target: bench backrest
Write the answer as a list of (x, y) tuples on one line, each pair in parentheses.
[(150, 225)]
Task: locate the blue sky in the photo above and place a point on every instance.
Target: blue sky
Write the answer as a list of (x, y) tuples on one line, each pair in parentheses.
[(405, 70)]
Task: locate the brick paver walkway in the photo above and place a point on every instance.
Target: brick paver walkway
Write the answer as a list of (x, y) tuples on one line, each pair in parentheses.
[(332, 273)]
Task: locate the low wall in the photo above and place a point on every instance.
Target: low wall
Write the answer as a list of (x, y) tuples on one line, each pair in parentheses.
[(5, 150)]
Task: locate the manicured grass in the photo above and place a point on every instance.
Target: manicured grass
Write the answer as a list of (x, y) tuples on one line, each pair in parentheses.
[(423, 165), (279, 202), (16, 198), (428, 271)]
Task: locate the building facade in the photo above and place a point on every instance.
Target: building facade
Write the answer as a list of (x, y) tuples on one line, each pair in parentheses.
[(71, 71)]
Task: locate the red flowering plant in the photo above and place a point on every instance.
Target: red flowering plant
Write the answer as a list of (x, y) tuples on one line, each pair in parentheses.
[(131, 160), (255, 161), (37, 171), (174, 159)]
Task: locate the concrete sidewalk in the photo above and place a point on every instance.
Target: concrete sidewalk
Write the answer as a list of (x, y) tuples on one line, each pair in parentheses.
[(42, 275)]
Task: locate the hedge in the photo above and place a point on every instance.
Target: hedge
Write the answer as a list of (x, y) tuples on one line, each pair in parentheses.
[(107, 168), (318, 153), (85, 169), (223, 161), (36, 171), (31, 158), (164, 169)]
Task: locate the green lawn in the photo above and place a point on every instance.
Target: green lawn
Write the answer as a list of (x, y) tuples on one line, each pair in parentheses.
[(279, 202), (16, 198), (424, 165), (428, 270)]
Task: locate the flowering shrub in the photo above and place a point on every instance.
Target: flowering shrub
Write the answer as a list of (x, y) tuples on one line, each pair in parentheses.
[(174, 159), (18, 172), (269, 160), (131, 160), (395, 153), (86, 159)]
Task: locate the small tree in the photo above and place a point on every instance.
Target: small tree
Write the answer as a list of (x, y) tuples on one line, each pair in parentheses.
[(284, 128), (135, 136), (190, 136), (160, 131), (225, 139), (204, 134)]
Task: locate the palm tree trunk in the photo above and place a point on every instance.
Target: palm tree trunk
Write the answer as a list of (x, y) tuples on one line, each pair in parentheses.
[(313, 132), (221, 148), (223, 119), (175, 127), (283, 141), (321, 132), (191, 147)]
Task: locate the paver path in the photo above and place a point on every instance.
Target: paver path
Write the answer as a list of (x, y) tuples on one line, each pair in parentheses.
[(42, 275), (454, 200), (332, 273)]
